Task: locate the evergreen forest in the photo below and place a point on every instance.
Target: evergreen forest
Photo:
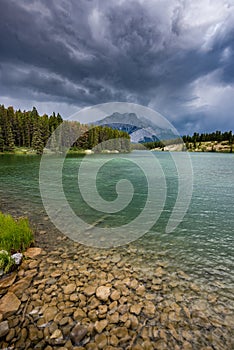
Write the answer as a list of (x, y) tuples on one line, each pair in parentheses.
[(30, 130)]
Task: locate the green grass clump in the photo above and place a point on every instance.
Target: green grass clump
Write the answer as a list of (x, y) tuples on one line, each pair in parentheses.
[(6, 261), (15, 235)]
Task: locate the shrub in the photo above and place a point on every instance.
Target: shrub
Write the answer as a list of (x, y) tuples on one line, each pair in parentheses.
[(6, 261), (15, 235)]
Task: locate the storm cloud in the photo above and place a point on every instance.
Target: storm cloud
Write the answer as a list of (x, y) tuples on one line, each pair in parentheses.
[(175, 56)]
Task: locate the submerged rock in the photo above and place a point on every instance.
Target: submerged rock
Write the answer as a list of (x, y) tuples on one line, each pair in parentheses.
[(136, 309), (103, 293), (9, 304), (90, 290), (7, 281), (32, 252), (78, 333), (4, 328), (70, 288), (100, 325), (50, 312), (20, 286)]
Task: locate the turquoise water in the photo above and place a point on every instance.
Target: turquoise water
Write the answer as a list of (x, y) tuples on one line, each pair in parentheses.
[(202, 244)]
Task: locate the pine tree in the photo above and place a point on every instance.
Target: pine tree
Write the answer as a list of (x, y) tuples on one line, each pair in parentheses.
[(10, 145), (37, 140), (44, 122), (53, 144), (2, 143)]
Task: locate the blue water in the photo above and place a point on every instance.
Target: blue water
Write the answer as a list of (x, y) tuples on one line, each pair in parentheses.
[(202, 244)]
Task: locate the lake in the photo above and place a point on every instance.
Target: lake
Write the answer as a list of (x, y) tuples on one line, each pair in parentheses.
[(203, 243)]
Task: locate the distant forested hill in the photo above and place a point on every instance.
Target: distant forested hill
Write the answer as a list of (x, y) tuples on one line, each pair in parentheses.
[(206, 142)]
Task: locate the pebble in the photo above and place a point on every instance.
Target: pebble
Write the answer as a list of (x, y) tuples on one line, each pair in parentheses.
[(149, 309), (136, 309), (90, 290), (120, 332), (4, 328), (113, 318), (70, 288), (101, 340), (100, 325), (116, 258), (50, 312), (56, 334), (103, 293), (115, 295), (79, 314), (78, 333)]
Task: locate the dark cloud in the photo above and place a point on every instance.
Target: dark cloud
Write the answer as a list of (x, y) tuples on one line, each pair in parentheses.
[(175, 56)]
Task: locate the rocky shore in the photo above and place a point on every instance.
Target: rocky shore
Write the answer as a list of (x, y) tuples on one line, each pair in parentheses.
[(68, 296), (74, 297)]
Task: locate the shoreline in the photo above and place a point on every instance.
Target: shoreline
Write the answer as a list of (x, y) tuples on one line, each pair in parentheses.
[(203, 147), (141, 307)]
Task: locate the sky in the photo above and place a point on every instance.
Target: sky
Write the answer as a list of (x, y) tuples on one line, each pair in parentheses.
[(174, 56)]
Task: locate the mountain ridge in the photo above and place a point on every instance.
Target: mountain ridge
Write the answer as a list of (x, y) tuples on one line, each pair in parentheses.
[(140, 130)]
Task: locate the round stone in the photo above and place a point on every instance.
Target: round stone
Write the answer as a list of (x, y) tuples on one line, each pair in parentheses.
[(103, 293), (115, 295), (69, 289), (90, 290)]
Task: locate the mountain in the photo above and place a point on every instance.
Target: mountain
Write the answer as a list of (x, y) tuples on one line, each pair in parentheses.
[(140, 130)]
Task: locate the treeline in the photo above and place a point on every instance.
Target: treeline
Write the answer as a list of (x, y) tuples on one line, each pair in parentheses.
[(29, 129), (78, 136), (154, 144), (206, 137), (196, 138), (25, 129), (102, 138), (163, 143)]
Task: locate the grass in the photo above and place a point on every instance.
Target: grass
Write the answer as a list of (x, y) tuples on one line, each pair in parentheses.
[(15, 235)]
